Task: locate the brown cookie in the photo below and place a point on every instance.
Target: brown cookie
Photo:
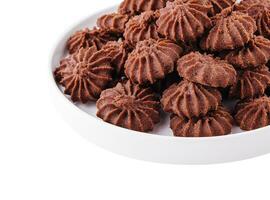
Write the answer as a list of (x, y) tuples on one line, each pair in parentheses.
[(84, 75), (118, 53), (220, 5), (140, 28), (206, 70), (113, 22), (130, 106), (152, 60), (245, 5), (215, 123), (259, 10), (254, 54), (189, 100), (135, 7), (231, 30), (183, 20), (87, 38), (251, 83), (253, 113)]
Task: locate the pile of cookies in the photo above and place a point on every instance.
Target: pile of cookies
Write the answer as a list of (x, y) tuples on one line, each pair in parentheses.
[(183, 57)]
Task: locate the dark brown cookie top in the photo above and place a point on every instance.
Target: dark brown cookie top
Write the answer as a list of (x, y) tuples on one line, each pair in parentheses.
[(190, 99), (206, 70), (152, 60), (251, 83), (220, 5), (259, 10), (253, 113), (135, 7), (205, 6), (263, 23), (183, 20), (65, 67), (118, 53), (114, 22), (215, 123), (87, 38), (245, 5), (84, 75), (254, 54), (130, 106), (141, 27), (232, 30)]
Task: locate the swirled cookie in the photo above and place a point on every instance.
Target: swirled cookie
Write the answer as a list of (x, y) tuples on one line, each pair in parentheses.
[(206, 70), (215, 123), (130, 106), (183, 20), (152, 60), (254, 54), (253, 113), (190, 99), (84, 75), (231, 30), (251, 83)]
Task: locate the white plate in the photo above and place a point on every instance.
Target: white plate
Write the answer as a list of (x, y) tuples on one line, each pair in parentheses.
[(159, 146)]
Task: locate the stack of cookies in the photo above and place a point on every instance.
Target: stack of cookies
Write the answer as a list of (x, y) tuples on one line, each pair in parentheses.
[(196, 101), (176, 56)]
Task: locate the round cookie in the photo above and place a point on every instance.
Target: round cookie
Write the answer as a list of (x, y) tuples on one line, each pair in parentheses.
[(189, 100), (220, 5), (130, 106), (231, 30), (141, 27), (183, 20), (245, 5), (215, 123), (254, 54), (113, 22), (135, 7), (206, 70), (251, 83), (87, 38), (260, 11), (118, 53), (253, 113), (84, 75), (152, 60)]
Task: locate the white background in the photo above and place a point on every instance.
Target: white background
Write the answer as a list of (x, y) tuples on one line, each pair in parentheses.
[(42, 158)]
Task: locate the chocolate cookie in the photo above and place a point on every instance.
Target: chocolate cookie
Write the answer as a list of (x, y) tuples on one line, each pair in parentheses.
[(141, 27), (251, 83), (135, 7), (245, 5), (259, 10), (152, 60), (113, 22), (130, 106), (183, 20), (220, 5), (87, 38), (189, 100), (118, 53), (84, 75), (215, 123), (206, 70), (253, 113), (231, 30), (254, 54)]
